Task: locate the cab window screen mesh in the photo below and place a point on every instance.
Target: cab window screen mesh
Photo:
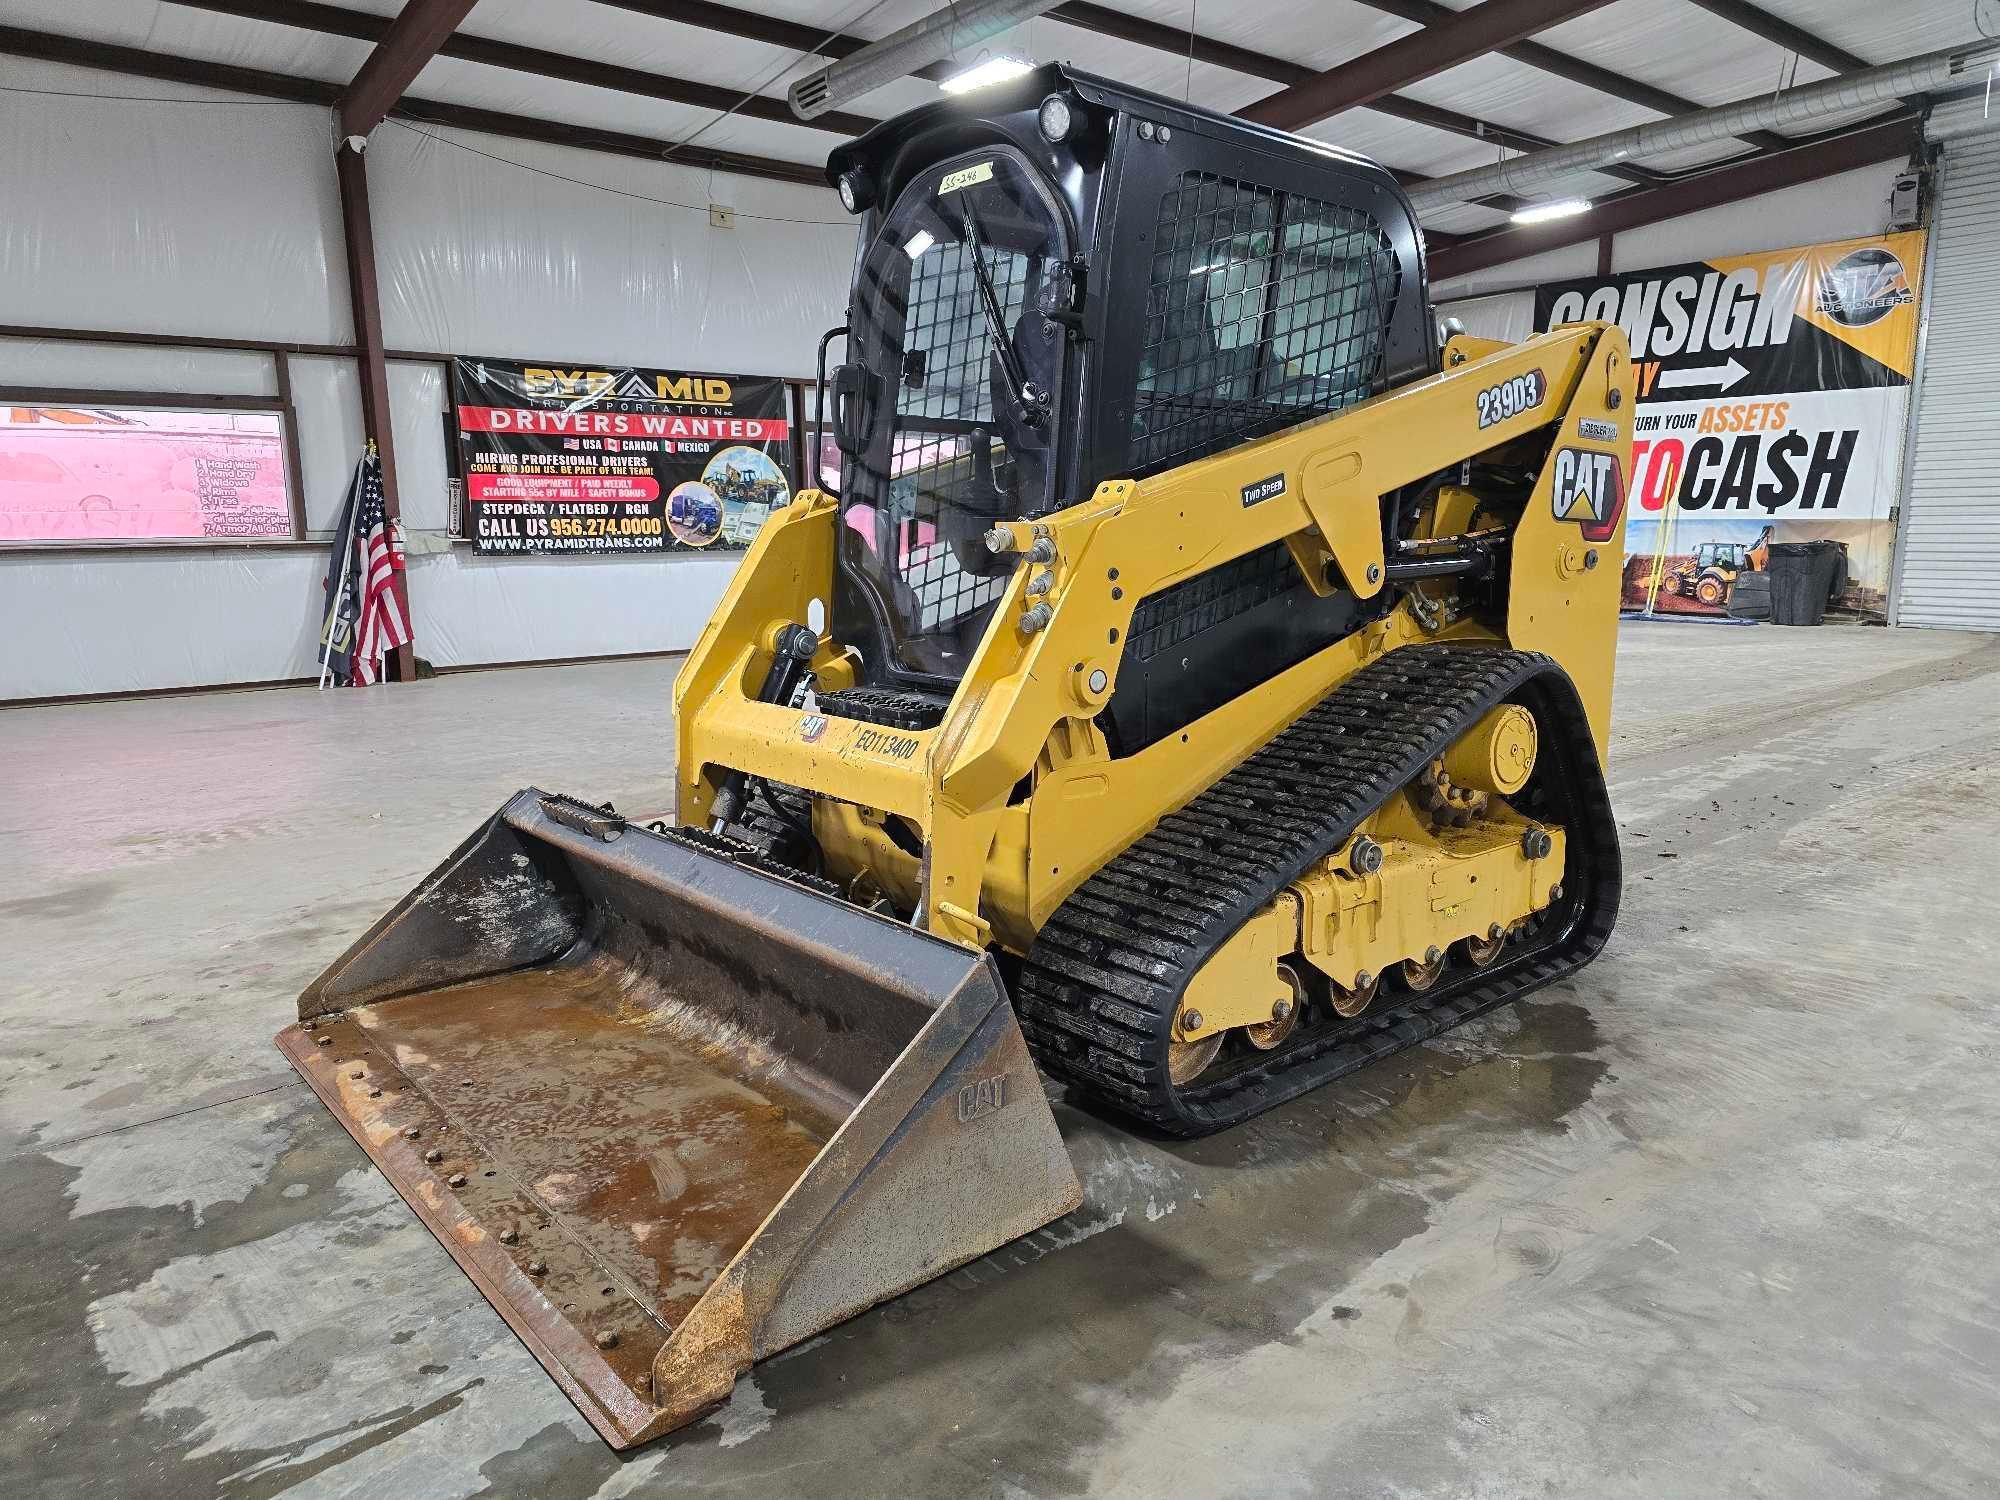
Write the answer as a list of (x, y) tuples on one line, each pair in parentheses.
[(958, 368), (1264, 309), (947, 339)]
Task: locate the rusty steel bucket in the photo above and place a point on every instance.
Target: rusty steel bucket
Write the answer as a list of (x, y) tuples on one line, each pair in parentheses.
[(672, 1114)]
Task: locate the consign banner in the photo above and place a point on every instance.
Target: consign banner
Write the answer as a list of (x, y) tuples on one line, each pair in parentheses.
[(558, 458), (1772, 394)]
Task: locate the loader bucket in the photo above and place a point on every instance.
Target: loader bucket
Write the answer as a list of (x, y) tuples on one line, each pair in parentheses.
[(670, 1113)]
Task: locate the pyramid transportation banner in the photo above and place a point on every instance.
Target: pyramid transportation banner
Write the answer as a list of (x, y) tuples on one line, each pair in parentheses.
[(561, 458), (1772, 395)]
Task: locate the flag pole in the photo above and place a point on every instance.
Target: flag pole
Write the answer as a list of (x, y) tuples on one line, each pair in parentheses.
[(346, 562)]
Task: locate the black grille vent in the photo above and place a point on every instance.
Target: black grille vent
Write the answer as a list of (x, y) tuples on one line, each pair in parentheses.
[(1180, 613)]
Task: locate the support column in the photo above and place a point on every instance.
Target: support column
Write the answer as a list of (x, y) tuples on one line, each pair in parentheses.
[(364, 297)]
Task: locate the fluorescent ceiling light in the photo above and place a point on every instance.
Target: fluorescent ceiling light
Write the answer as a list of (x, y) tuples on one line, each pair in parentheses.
[(918, 243), (1541, 213), (987, 71)]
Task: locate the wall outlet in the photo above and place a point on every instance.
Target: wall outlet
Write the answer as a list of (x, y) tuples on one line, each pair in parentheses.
[(720, 217)]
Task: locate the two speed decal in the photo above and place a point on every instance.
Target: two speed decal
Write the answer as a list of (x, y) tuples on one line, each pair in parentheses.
[(1512, 397)]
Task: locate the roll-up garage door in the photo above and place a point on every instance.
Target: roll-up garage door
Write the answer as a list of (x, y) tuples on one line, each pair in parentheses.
[(1949, 558)]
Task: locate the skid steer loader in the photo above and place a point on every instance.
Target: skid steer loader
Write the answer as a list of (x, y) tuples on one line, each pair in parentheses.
[(1194, 688)]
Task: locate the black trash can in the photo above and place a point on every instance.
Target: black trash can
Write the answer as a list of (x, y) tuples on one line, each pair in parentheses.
[(1802, 579)]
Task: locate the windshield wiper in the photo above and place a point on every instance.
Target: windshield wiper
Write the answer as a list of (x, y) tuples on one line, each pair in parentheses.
[(1029, 400)]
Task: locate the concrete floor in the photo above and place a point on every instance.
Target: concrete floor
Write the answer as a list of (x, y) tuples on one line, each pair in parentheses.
[(1718, 1216)]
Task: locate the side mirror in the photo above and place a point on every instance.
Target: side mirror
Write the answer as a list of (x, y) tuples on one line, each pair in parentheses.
[(855, 393)]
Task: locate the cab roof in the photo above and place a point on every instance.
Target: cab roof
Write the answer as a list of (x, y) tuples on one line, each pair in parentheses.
[(1026, 93)]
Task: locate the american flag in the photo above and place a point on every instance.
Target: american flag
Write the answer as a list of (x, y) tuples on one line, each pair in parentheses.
[(385, 623)]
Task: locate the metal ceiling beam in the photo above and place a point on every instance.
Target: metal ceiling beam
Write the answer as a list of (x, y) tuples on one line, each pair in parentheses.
[(955, 28), (138, 63), (1468, 34), (334, 20), (1095, 18), (753, 26), (1098, 19), (411, 41), (1782, 33), (1177, 43), (1562, 65), (1823, 108), (1807, 161), (610, 142), (43, 46)]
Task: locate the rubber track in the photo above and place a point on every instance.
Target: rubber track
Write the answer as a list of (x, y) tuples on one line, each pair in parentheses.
[(1099, 989)]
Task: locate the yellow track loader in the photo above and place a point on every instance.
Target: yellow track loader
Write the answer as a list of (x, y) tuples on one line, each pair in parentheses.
[(1194, 687)]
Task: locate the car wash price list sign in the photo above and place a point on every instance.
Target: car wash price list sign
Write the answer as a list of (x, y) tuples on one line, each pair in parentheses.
[(565, 458)]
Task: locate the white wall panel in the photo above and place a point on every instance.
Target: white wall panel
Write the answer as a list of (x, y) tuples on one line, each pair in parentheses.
[(1551, 265), (138, 367), (477, 256), (417, 401), (326, 395), (219, 219), (1843, 207), (1835, 208), (468, 609), (1504, 315), (128, 621)]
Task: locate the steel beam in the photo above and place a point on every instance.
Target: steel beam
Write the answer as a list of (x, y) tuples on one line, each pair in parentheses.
[(754, 26), (411, 41), (364, 297), (78, 52), (139, 63), (1103, 21), (1782, 33), (1562, 65), (334, 20), (611, 142), (1809, 161), (1484, 28), (1097, 19)]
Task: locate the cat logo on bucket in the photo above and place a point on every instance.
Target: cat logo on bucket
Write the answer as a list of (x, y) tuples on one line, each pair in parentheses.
[(1590, 491), (979, 1099)]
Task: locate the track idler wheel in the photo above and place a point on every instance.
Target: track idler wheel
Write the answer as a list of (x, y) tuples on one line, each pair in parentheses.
[(1187, 1061), (1482, 952), (1419, 974), (1352, 1002), (1267, 1035)]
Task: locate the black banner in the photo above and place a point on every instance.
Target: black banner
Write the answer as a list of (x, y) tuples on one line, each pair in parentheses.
[(565, 459)]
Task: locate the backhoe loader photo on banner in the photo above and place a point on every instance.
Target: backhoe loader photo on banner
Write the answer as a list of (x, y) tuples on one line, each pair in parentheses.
[(1197, 690)]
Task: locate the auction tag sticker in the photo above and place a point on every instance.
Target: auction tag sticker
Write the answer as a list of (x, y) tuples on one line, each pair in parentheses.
[(966, 177)]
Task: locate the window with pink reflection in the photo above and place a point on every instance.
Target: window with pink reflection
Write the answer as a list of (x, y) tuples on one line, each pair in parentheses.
[(141, 474)]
